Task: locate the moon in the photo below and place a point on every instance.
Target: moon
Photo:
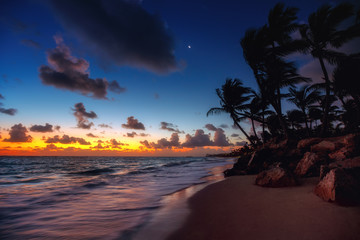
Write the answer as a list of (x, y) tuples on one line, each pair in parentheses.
[(189, 46)]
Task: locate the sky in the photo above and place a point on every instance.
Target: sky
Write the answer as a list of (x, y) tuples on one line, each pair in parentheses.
[(127, 77)]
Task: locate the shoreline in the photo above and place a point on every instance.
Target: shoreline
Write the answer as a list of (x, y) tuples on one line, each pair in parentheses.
[(175, 208), (237, 209)]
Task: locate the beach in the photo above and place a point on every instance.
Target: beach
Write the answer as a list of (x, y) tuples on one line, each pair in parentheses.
[(237, 209)]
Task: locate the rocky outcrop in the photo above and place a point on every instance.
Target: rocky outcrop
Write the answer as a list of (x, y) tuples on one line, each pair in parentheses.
[(276, 177), (259, 161), (340, 183), (309, 165), (305, 144)]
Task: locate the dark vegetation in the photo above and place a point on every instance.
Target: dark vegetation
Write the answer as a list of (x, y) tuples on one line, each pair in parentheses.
[(329, 108), (321, 136)]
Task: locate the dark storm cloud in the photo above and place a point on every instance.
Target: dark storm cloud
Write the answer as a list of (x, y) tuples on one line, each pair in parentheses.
[(103, 125), (121, 31), (41, 128), (71, 73), (66, 139), (210, 127), (31, 43), (163, 142), (200, 139), (170, 127), (82, 116), (18, 134), (91, 135), (133, 123)]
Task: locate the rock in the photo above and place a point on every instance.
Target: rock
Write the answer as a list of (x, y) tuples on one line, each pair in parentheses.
[(340, 154), (306, 143), (348, 163), (259, 160), (276, 177), (326, 146), (233, 172), (340, 185), (310, 164)]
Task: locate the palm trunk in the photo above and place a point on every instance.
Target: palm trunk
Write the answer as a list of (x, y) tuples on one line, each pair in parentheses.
[(306, 122), (242, 130), (263, 126), (325, 119), (253, 126), (281, 119)]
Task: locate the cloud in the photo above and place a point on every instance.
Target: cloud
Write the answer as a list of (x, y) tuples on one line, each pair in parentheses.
[(18, 134), (31, 43), (170, 127), (156, 96), (66, 139), (220, 138), (43, 129), (122, 32), (57, 128), (163, 142), (131, 135), (82, 116), (134, 134), (133, 123), (224, 126), (8, 111), (103, 125), (240, 144), (1, 96), (71, 73), (198, 140), (210, 127), (115, 144), (313, 70), (91, 135)]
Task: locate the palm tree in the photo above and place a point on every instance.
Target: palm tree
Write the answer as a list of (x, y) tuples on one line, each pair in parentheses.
[(295, 117), (320, 35), (233, 97), (260, 100), (303, 99), (263, 50)]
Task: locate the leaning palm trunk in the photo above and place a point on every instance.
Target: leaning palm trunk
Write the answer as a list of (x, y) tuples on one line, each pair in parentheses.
[(241, 129), (325, 119)]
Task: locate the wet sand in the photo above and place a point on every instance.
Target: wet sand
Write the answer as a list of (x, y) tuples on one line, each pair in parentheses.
[(237, 209)]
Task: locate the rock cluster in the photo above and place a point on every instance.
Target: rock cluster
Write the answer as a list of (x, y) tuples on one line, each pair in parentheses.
[(335, 160)]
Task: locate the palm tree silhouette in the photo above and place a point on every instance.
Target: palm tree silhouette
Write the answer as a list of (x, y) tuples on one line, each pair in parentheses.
[(233, 97), (303, 99), (320, 35)]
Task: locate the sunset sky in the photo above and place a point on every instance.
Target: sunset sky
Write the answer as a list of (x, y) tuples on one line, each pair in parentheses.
[(129, 78)]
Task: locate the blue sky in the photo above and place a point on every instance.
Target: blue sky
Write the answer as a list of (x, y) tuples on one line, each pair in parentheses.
[(181, 97)]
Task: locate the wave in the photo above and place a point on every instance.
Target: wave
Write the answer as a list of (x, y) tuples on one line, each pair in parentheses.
[(97, 171)]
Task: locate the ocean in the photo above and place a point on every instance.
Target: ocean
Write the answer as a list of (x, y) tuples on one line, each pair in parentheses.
[(92, 197)]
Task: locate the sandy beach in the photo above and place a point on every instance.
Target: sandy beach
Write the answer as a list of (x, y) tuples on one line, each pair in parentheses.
[(237, 209)]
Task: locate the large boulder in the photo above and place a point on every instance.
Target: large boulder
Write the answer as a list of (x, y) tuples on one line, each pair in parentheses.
[(308, 142), (309, 165), (239, 167), (326, 146), (340, 182), (276, 177), (259, 161)]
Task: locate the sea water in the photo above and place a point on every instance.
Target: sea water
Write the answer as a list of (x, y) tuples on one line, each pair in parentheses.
[(90, 197)]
